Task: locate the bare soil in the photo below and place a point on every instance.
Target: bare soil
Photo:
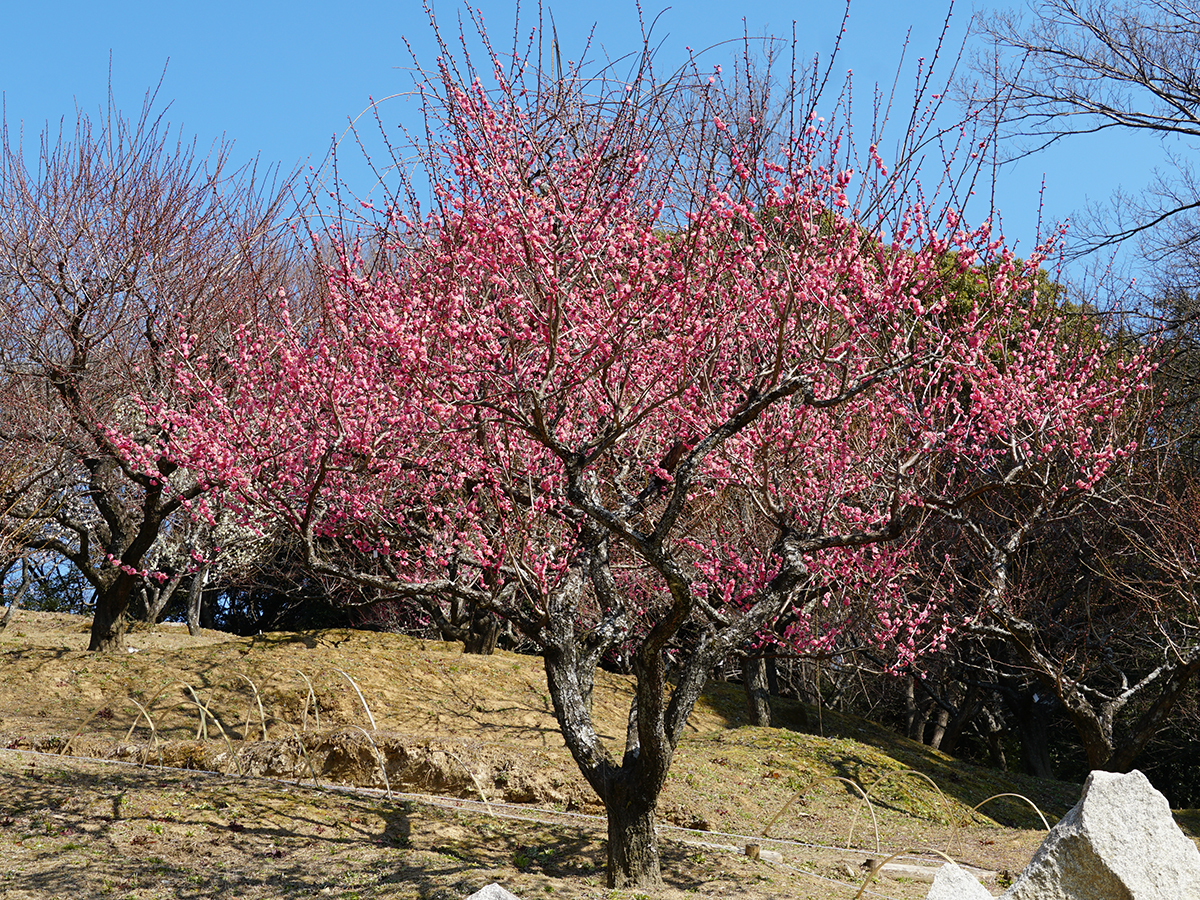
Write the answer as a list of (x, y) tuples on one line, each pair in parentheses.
[(363, 765)]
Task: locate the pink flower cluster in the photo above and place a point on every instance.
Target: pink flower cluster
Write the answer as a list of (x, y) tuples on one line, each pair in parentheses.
[(729, 386)]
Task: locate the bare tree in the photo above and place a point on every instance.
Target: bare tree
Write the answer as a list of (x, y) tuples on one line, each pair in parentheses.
[(1091, 602), (14, 475), (118, 242), (1071, 69), (1084, 67)]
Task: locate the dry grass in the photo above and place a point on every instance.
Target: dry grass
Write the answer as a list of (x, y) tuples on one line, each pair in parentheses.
[(401, 715)]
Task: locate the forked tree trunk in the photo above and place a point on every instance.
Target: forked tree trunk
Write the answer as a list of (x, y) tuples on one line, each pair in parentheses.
[(633, 860), (1125, 752), (916, 712), (152, 599), (116, 588), (629, 790), (968, 709)]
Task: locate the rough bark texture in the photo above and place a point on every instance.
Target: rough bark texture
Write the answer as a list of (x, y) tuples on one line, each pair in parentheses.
[(109, 622), (758, 695), (483, 634), (633, 860), (629, 789), (196, 599)]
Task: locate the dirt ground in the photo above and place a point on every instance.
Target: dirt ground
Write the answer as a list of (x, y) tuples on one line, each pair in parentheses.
[(220, 766)]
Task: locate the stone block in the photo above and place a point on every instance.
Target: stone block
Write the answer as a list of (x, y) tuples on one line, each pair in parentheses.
[(1119, 842)]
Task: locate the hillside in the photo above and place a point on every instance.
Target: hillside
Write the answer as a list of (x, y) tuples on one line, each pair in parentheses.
[(289, 717)]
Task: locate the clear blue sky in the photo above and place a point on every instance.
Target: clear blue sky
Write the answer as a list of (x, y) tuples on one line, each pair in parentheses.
[(282, 79)]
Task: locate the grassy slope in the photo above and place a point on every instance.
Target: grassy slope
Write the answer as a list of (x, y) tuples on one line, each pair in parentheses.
[(463, 726)]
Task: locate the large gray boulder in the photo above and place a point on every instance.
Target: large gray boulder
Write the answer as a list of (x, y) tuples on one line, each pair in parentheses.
[(954, 883), (1119, 842)]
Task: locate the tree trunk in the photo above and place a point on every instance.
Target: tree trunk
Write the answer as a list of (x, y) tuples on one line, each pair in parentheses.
[(17, 597), (1096, 736), (994, 731), (968, 708), (772, 676), (1030, 718), (483, 634), (939, 727), (109, 622), (152, 599), (916, 713), (633, 860), (195, 596), (758, 697), (1125, 752)]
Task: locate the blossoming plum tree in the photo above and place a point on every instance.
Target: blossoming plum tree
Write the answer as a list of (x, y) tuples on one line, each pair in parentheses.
[(116, 234), (610, 394)]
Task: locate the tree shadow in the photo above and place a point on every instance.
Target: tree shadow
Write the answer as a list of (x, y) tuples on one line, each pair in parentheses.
[(68, 833)]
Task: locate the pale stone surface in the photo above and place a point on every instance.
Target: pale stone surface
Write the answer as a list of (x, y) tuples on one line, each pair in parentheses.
[(1119, 842), (910, 871), (493, 892), (954, 883)]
